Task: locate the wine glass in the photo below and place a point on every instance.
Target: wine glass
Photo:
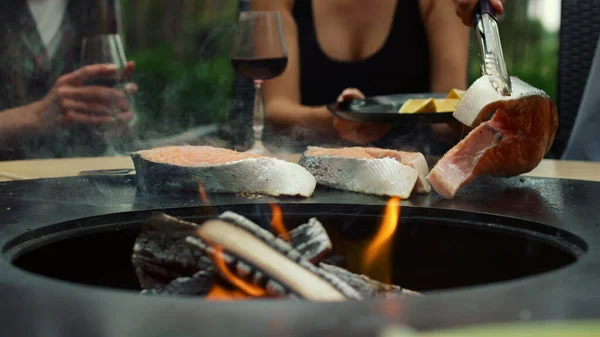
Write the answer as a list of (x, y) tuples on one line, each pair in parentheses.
[(106, 49), (259, 53)]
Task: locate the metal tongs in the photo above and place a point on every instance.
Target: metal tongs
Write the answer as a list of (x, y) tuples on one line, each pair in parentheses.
[(492, 57)]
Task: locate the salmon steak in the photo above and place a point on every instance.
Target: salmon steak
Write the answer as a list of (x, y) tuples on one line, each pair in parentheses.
[(218, 170), (368, 170), (514, 141)]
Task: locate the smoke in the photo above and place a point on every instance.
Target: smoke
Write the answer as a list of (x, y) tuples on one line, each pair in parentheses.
[(185, 82), (185, 97), (185, 94)]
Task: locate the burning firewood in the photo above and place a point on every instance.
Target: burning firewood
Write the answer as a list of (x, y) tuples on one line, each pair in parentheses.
[(197, 284), (176, 257), (366, 286), (274, 257), (243, 270), (160, 253), (311, 240)]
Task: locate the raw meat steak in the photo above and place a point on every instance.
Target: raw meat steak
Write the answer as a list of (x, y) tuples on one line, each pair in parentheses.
[(178, 168), (513, 142)]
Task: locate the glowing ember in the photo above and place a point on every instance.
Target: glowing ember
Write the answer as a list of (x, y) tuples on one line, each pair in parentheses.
[(377, 255), (249, 289), (203, 195), (277, 222), (220, 293)]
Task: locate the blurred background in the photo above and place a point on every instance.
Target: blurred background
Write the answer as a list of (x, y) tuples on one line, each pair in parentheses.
[(182, 47), (530, 41)]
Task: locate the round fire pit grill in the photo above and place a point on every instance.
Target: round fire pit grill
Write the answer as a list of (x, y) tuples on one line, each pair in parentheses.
[(501, 251)]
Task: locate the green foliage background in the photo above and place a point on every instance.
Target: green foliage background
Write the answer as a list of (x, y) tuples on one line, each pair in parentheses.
[(181, 48), (531, 51)]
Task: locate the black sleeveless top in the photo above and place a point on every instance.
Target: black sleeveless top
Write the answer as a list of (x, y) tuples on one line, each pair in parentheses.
[(401, 65)]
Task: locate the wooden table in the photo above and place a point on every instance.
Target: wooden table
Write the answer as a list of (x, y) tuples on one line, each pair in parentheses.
[(50, 168)]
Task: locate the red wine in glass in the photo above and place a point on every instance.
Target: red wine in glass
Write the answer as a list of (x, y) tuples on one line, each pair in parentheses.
[(259, 69), (259, 53)]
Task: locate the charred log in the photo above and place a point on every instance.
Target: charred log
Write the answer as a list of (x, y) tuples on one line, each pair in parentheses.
[(274, 257), (365, 286), (160, 253), (335, 260), (311, 240), (176, 257), (244, 270), (198, 284)]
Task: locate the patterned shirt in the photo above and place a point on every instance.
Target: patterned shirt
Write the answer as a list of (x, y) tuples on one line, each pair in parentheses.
[(40, 71), (27, 66)]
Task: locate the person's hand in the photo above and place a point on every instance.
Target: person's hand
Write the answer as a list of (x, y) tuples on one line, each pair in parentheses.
[(465, 8), (359, 133), (72, 102)]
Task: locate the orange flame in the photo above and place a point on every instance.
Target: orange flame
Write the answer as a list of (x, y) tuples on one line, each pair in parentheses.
[(239, 283), (277, 222), (220, 293), (203, 195), (376, 260)]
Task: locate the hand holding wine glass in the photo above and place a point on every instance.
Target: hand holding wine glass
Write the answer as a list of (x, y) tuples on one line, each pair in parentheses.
[(108, 49), (259, 53), (69, 103)]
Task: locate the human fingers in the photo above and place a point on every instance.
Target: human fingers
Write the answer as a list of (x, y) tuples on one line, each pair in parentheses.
[(130, 89), (125, 116), (360, 133), (74, 117), (368, 133), (90, 108), (350, 93), (85, 73), (95, 94), (129, 69), (498, 6), (465, 8), (346, 129)]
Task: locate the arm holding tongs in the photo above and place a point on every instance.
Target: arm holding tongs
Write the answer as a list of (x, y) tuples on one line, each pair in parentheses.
[(492, 57)]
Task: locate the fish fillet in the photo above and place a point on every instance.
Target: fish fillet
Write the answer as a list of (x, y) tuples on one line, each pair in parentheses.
[(415, 160), (367, 170), (218, 170), (514, 141)]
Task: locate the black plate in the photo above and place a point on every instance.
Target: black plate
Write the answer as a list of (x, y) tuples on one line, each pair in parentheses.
[(384, 109)]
